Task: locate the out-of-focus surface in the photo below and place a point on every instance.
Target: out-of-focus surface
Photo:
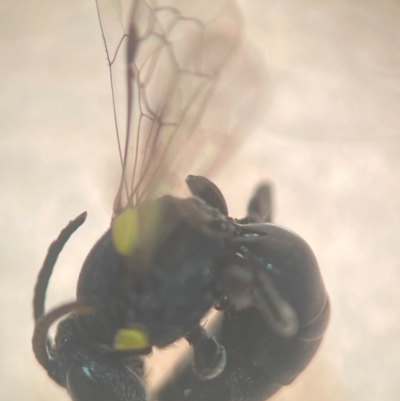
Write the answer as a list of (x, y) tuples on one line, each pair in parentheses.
[(330, 143)]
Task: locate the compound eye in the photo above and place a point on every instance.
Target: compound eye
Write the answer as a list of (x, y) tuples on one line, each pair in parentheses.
[(82, 386)]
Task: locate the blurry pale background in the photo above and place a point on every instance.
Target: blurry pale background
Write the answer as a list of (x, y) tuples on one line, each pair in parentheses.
[(330, 143)]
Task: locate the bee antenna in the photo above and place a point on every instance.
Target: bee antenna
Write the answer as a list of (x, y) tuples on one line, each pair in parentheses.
[(49, 262), (45, 321)]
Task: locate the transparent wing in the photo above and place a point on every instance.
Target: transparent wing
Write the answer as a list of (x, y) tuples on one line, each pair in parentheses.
[(189, 89)]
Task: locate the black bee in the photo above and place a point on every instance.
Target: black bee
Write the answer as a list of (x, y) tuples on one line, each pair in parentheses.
[(166, 262)]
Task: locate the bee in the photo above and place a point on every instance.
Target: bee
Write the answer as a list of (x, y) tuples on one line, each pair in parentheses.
[(166, 261)]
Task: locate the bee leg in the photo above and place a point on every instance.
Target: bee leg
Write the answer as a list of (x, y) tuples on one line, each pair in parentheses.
[(203, 188), (209, 357), (246, 288), (259, 359), (259, 209)]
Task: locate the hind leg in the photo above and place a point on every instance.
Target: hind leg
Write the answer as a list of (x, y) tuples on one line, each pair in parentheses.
[(260, 205), (259, 209)]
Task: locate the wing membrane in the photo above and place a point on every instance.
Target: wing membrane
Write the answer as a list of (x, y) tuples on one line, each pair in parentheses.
[(185, 100)]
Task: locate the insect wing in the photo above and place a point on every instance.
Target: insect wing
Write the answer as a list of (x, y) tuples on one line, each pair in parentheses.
[(188, 90)]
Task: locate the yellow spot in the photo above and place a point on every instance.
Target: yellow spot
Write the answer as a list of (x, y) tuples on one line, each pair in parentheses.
[(125, 231), (131, 339), (136, 228)]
